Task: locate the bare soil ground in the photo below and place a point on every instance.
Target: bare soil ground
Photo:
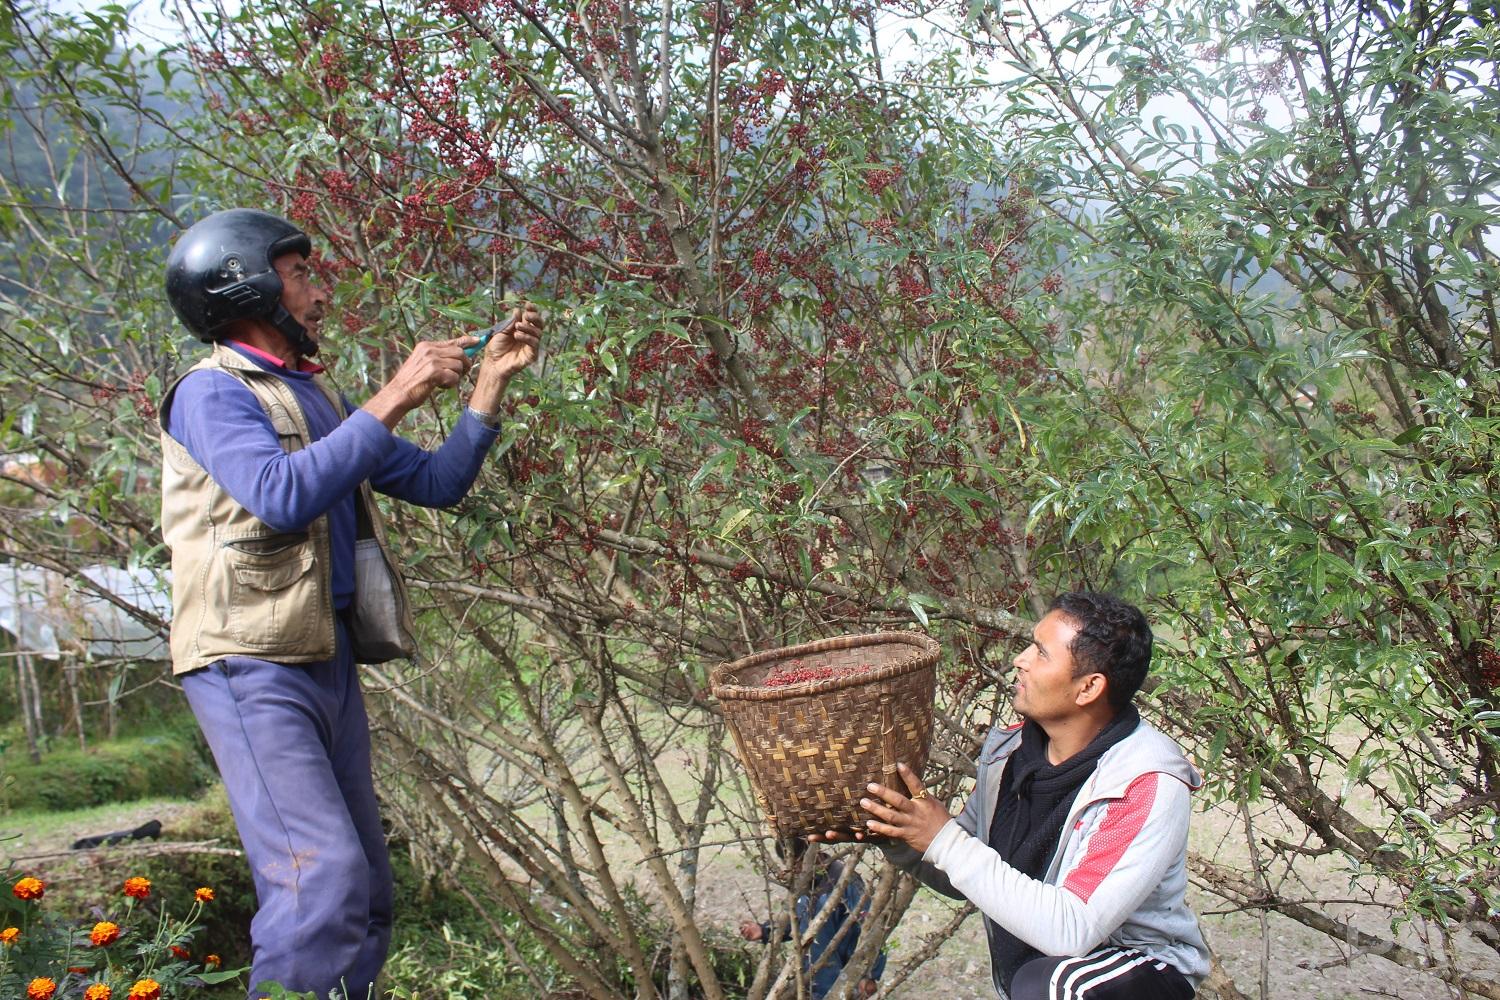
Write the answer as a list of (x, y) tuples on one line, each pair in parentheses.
[(1301, 962), (1298, 962)]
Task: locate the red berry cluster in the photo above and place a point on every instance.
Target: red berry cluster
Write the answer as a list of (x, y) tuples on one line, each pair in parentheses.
[(878, 180), (796, 672), (304, 207), (883, 228), (211, 60), (332, 63), (783, 496), (739, 134), (136, 388), (771, 84), (912, 287), (1489, 667), (1347, 409), (753, 432), (561, 112), (763, 264)]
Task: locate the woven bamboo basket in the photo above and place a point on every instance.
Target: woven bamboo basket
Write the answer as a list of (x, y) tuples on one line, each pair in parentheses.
[(811, 748)]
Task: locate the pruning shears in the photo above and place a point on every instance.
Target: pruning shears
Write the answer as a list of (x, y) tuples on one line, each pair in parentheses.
[(487, 334)]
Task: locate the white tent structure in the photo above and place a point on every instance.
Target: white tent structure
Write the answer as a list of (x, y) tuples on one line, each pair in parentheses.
[(47, 613)]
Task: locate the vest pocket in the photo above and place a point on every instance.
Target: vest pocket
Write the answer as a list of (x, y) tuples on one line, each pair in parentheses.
[(273, 592)]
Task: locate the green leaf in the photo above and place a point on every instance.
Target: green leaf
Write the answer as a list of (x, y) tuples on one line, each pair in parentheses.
[(1410, 435), (466, 315), (918, 612), (735, 521)]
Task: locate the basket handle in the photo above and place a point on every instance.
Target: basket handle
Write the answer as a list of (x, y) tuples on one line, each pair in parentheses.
[(887, 726)]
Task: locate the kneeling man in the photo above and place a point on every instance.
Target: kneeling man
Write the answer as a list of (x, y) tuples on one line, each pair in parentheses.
[(1074, 843)]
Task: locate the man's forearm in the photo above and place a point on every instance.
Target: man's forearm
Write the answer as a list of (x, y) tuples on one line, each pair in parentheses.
[(388, 405), (910, 861), (489, 387)]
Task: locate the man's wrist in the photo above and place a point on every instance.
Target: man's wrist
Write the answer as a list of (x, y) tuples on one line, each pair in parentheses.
[(387, 407), (941, 840), (490, 420), (488, 390)]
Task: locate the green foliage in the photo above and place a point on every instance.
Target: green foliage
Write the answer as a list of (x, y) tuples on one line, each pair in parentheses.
[(444, 949), (1284, 435), (161, 765), (1194, 301), (452, 962)]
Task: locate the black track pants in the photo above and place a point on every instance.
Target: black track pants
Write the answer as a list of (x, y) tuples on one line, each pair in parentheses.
[(1107, 974)]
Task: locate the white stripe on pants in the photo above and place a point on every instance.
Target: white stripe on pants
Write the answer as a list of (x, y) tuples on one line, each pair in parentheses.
[(1073, 980)]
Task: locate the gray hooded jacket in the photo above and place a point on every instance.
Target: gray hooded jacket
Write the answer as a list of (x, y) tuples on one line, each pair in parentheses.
[(1119, 875)]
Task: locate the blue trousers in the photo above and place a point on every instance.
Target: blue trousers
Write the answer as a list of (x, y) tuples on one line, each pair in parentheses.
[(292, 743)]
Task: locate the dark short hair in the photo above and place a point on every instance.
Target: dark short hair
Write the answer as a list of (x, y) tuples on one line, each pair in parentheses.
[(1114, 639)]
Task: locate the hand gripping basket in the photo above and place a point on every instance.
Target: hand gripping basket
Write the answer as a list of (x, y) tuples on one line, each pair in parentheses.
[(812, 747)]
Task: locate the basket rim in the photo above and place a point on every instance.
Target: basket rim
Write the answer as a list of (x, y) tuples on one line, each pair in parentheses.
[(926, 652)]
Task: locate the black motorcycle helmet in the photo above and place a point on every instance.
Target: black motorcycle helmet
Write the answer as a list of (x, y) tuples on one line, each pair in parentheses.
[(220, 271)]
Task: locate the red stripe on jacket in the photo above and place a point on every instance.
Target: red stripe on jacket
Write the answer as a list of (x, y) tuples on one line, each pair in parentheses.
[(1122, 821)]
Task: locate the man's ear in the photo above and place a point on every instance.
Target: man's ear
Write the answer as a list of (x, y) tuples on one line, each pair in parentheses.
[(1095, 689)]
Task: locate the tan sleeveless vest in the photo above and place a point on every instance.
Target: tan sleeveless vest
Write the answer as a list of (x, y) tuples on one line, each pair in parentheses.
[(240, 588)]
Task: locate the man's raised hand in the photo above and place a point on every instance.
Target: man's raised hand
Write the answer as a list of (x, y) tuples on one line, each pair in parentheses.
[(432, 365), (512, 350)]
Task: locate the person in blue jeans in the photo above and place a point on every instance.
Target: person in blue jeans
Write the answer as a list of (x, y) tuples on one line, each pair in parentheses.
[(850, 909), (267, 503)]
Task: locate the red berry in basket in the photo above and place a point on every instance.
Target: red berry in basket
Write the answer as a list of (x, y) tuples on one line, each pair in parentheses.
[(793, 672)]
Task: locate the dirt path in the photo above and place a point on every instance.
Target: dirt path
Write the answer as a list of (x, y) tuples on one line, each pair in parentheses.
[(19, 842)]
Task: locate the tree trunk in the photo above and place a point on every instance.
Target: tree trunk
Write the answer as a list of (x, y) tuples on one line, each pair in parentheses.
[(31, 710), (70, 675)]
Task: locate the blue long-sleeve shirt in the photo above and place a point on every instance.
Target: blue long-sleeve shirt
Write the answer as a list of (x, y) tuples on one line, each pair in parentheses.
[(809, 905), (222, 425)]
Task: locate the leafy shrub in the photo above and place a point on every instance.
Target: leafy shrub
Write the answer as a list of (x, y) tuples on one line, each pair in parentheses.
[(443, 949), (163, 764)]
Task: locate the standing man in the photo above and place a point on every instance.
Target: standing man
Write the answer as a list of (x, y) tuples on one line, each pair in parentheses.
[(1074, 843), (267, 497)]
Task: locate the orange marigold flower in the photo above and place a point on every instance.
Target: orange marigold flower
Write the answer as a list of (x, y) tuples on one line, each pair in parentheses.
[(145, 989), (79, 970), (138, 888), (180, 952), (98, 991), (10, 935), (40, 988), (204, 894), (104, 933), (29, 888), (212, 961)]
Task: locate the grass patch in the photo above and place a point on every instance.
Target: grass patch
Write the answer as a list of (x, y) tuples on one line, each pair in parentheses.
[(166, 764)]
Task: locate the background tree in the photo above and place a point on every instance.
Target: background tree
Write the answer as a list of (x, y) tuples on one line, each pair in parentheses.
[(841, 344)]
